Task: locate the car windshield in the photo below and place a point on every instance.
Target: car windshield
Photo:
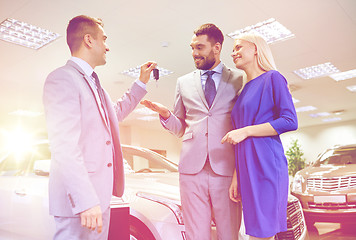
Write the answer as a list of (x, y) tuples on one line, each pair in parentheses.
[(339, 156), (36, 160), (143, 161), (23, 162)]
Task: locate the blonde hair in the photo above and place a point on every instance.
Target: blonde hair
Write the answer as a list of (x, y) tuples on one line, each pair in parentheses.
[(265, 58)]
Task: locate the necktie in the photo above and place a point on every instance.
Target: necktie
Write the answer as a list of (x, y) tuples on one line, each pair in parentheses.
[(100, 92), (117, 179), (210, 89)]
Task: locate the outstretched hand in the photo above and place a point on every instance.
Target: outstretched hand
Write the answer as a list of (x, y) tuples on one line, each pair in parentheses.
[(146, 70), (157, 107)]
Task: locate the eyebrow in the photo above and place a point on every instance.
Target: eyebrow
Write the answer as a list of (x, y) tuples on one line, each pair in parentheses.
[(197, 45)]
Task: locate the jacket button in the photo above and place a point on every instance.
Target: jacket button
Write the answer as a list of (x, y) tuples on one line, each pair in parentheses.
[(109, 164), (210, 114), (206, 134), (108, 142)]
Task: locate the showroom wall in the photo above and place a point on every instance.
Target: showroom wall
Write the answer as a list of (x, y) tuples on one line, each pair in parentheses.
[(316, 139), (152, 139), (313, 140)]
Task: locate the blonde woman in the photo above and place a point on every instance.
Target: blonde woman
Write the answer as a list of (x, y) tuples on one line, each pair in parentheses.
[(262, 112)]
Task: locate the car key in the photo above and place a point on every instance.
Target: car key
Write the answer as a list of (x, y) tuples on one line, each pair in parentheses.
[(156, 75)]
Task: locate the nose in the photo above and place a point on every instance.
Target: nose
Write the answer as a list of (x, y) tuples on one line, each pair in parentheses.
[(194, 52)]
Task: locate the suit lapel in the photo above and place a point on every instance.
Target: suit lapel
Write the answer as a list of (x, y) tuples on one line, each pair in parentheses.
[(86, 79), (225, 78), (197, 80)]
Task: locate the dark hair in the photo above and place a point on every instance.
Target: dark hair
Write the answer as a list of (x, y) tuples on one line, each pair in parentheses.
[(78, 27), (213, 32)]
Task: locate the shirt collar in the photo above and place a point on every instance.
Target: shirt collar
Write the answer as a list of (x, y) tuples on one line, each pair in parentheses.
[(217, 69), (88, 70)]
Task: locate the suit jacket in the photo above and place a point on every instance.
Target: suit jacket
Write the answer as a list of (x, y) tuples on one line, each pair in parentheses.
[(85, 148), (202, 128)]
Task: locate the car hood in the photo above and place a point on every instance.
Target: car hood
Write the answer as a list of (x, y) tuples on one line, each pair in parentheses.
[(161, 184), (328, 171)]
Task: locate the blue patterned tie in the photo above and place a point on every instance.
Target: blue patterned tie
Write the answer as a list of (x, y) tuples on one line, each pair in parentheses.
[(210, 89)]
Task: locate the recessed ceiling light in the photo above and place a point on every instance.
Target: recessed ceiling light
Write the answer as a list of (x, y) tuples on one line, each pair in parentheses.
[(331, 119), (271, 30), (305, 109), (144, 111), (25, 34), (320, 114), (25, 113), (135, 72), (351, 88), (316, 71), (338, 112), (343, 75)]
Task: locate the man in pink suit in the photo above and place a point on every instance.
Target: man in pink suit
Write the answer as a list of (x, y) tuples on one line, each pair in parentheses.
[(201, 116), (87, 165)]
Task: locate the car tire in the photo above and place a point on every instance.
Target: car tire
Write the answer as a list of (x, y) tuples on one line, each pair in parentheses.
[(139, 231)]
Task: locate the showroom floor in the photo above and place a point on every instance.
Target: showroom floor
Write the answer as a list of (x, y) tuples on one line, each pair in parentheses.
[(332, 231)]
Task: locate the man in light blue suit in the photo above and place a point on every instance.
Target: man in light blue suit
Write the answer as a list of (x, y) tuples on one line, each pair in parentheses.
[(201, 116), (87, 165)]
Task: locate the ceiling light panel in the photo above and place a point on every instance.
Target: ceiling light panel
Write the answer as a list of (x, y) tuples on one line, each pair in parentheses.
[(320, 114), (25, 34), (271, 30), (295, 100), (305, 109), (343, 75), (331, 119), (351, 88), (316, 71), (135, 72)]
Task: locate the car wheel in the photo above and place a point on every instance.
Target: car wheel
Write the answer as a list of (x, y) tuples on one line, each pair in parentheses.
[(139, 231)]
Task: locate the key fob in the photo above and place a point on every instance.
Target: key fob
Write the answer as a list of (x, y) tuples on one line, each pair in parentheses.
[(156, 74)]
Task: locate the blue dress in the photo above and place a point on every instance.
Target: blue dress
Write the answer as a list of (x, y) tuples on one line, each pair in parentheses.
[(261, 165)]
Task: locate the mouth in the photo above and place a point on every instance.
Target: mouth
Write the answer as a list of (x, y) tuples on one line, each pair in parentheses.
[(236, 58), (198, 59)]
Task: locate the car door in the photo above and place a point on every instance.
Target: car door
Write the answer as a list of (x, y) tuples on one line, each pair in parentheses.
[(25, 198)]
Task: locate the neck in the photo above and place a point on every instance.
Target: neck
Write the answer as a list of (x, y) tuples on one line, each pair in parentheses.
[(86, 57), (252, 71), (217, 62)]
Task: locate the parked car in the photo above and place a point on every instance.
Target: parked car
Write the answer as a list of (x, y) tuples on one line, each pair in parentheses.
[(327, 188), (152, 193)]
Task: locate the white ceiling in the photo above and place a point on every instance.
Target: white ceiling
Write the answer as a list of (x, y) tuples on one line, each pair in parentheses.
[(325, 31)]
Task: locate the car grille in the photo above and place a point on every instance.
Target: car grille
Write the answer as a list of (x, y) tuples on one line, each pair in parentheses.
[(331, 184), (332, 205), (295, 222)]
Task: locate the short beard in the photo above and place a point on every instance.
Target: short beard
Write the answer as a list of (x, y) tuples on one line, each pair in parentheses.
[(209, 62)]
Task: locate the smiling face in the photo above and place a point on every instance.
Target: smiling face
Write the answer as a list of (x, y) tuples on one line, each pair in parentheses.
[(100, 47), (244, 54), (206, 55)]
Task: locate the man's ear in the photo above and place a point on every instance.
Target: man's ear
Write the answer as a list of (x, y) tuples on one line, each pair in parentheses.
[(88, 40), (217, 48)]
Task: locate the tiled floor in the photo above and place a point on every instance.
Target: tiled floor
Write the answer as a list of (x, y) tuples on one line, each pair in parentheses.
[(332, 231)]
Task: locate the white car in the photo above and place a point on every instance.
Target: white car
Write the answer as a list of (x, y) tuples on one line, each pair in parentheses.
[(151, 192)]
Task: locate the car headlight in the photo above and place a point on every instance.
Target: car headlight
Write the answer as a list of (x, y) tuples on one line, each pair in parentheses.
[(297, 183), (169, 203)]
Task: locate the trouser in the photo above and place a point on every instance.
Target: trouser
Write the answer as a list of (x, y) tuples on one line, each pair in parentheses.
[(204, 195)]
